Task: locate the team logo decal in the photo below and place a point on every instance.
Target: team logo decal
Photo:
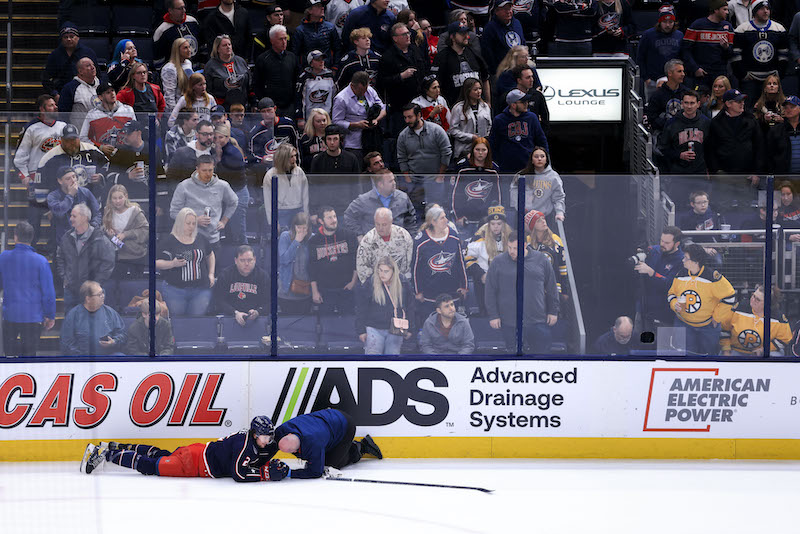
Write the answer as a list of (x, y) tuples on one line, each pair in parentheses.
[(763, 51), (442, 262), (693, 301), (50, 143), (478, 190), (673, 107), (320, 96), (234, 81), (609, 21), (538, 193), (749, 339), (512, 39), (193, 45)]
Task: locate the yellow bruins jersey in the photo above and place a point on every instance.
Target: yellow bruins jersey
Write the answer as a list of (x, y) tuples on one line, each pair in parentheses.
[(743, 331), (707, 294)]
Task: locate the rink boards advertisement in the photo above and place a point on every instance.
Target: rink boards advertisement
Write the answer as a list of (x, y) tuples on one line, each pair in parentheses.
[(403, 400)]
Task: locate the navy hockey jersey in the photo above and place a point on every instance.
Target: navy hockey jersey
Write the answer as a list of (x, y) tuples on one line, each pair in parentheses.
[(237, 456), (759, 51), (474, 190), (701, 48), (438, 268), (264, 141)]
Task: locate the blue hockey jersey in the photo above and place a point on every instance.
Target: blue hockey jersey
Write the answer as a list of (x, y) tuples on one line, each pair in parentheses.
[(237, 456), (438, 268)]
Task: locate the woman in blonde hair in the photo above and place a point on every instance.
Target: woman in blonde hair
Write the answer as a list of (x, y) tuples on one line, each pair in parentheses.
[(517, 56), (615, 26), (175, 72), (125, 224), (230, 166), (490, 240), (313, 142), (292, 186), (195, 97), (715, 104), (379, 305), (226, 72)]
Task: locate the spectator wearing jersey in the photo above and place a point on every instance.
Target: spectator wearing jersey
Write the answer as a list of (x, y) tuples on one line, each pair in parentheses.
[(105, 121), (708, 44), (457, 62), (276, 73), (358, 218), (615, 20), (682, 143), (400, 73), (385, 239), (446, 331), (92, 328), (315, 33), (501, 33), (475, 187), (377, 18), (315, 88), (242, 289), (575, 25), (701, 216), (783, 142), (337, 11), (228, 19), (665, 102), (332, 264), (471, 118), (515, 132), (175, 25), (361, 57), (434, 107), (760, 49), (79, 94), (431, 40), (270, 133), (228, 74), (62, 63), (489, 241), (658, 45), (312, 142)]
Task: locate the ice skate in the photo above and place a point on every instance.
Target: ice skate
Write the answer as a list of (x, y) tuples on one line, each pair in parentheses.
[(368, 446), (93, 457)]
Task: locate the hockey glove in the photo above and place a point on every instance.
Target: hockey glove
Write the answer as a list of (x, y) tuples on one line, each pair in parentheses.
[(275, 470)]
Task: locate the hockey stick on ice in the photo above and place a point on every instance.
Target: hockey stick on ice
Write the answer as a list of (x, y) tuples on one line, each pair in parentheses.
[(484, 490)]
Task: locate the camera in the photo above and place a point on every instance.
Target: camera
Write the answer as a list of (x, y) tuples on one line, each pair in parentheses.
[(637, 258)]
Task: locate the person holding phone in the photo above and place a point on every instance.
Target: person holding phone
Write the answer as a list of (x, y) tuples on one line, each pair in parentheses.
[(92, 328)]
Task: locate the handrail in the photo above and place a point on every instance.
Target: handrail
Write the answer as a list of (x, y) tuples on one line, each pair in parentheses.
[(572, 288)]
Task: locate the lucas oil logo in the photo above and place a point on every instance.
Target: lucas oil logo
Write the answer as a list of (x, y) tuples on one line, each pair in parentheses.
[(694, 400)]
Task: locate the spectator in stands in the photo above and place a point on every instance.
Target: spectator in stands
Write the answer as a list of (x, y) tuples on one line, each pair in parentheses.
[(445, 331), (661, 266), (517, 56), (126, 226), (525, 78), (187, 264), (760, 48), (471, 119), (62, 63), (204, 192), (351, 110), (734, 146), (84, 253), (542, 239), (29, 298), (757, 220), (294, 288), (334, 160), (793, 68), (275, 16), (292, 186), (79, 94), (144, 97), (457, 62), (382, 306), (182, 133), (175, 73), (361, 57), (332, 265), (375, 16), (768, 109), (183, 160), (92, 328), (790, 204), (615, 20), (105, 120), (743, 327), (658, 45), (515, 132), (228, 74), (423, 153), (437, 262), (69, 194), (708, 44), (574, 27), (123, 58), (359, 215), (544, 190), (463, 18), (682, 143), (700, 298), (138, 343), (228, 19), (432, 41), (129, 164), (315, 33), (718, 88), (271, 132), (475, 187), (276, 73), (313, 142), (617, 340), (195, 97), (230, 166), (400, 73), (489, 241), (315, 87), (242, 290), (701, 216), (665, 102), (176, 25), (501, 33), (783, 142), (386, 239), (434, 107)]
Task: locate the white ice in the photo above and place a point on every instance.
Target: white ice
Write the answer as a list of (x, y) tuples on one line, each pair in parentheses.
[(531, 496)]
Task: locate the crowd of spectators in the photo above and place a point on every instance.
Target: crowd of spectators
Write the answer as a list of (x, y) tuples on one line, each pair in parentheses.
[(394, 156)]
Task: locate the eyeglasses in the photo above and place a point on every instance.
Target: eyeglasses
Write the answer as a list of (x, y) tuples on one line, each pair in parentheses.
[(101, 294), (402, 34)]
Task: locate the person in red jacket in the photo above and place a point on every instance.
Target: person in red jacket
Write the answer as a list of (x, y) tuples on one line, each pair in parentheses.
[(144, 97)]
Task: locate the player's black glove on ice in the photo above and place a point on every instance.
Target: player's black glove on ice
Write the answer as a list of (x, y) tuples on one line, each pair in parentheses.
[(275, 470)]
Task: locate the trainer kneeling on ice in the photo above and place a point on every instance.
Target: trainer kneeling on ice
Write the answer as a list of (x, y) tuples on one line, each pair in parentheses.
[(323, 439), (244, 456)]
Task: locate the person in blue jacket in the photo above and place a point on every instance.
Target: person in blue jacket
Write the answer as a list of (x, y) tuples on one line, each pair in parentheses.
[(658, 45), (514, 134), (323, 439), (376, 16), (501, 33), (29, 298)]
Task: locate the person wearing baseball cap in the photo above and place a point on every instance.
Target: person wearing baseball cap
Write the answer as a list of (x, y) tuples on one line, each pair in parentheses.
[(457, 62), (502, 32), (316, 87), (316, 34), (104, 121), (62, 62), (782, 138), (515, 132), (658, 45), (274, 15)]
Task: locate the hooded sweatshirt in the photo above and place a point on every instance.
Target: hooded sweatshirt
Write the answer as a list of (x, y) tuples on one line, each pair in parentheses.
[(458, 340), (216, 195), (77, 99), (544, 191), (680, 135), (102, 126)]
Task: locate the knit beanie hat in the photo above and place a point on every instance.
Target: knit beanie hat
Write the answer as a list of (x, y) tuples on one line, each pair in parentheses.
[(531, 217)]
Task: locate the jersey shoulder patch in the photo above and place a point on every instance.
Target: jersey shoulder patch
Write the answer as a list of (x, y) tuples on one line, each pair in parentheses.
[(716, 276)]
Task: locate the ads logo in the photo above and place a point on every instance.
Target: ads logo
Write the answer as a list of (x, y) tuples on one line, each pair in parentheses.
[(331, 388), (689, 400)]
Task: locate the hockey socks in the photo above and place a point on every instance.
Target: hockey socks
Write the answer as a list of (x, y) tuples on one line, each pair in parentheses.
[(143, 458)]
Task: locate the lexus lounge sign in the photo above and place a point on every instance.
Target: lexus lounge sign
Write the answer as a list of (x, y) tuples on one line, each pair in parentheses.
[(583, 94)]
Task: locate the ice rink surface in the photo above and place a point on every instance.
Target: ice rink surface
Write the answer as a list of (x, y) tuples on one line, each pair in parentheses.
[(547, 496)]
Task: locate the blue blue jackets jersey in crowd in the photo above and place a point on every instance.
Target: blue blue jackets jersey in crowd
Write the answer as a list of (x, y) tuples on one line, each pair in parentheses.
[(27, 284), (655, 49), (701, 48), (513, 138), (438, 268), (497, 40), (237, 456), (319, 432)]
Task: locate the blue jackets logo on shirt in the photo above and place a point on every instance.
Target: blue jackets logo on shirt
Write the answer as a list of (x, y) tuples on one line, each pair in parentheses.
[(763, 51), (442, 262), (478, 190)]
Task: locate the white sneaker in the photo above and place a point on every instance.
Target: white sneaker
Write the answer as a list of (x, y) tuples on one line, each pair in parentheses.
[(93, 457)]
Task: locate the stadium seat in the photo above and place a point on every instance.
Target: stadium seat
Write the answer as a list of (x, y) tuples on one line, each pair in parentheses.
[(338, 335), (225, 256), (101, 46), (246, 338), (130, 20), (144, 47), (126, 290), (195, 335), (92, 19), (297, 333), (487, 339)]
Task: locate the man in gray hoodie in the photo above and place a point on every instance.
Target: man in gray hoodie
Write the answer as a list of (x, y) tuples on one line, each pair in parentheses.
[(212, 199), (445, 331)]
